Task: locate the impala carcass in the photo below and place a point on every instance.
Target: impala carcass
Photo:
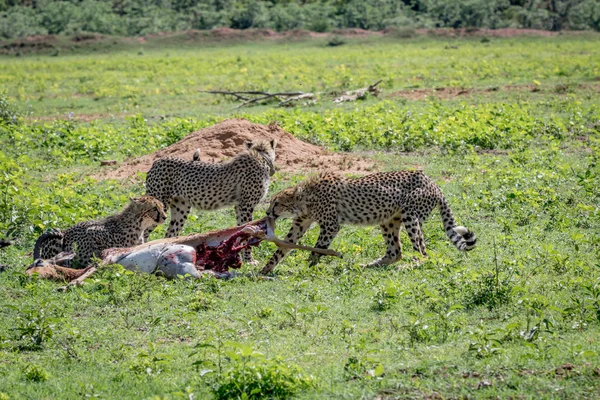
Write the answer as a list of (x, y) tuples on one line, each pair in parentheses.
[(214, 252)]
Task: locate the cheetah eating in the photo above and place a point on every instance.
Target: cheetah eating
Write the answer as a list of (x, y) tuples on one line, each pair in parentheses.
[(388, 199), (92, 237)]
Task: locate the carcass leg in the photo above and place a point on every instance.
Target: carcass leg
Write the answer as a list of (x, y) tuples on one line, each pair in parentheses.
[(178, 259)]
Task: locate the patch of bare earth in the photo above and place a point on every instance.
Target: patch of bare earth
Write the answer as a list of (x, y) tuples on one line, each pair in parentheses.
[(227, 139), (446, 93), (76, 117), (229, 34)]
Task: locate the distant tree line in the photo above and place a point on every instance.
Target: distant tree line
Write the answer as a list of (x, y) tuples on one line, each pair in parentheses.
[(20, 18)]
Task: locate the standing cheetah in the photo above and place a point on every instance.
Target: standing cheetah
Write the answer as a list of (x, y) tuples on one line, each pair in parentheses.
[(388, 199), (92, 237), (242, 181)]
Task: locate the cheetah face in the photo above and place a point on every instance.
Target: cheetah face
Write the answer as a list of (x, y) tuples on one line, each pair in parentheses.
[(266, 148), (283, 206), (151, 210)]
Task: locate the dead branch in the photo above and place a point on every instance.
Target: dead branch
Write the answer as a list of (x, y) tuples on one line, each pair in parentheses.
[(255, 96), (305, 96)]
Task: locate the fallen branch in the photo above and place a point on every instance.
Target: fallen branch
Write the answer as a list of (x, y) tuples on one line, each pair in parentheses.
[(359, 94), (255, 96), (305, 96)]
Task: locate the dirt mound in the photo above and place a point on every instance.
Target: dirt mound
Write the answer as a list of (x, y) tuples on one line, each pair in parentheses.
[(227, 139)]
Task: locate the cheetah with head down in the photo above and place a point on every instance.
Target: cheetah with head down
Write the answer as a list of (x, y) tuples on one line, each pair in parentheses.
[(92, 237), (241, 182), (388, 199)]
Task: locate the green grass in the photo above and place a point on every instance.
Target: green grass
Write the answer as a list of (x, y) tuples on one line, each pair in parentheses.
[(158, 81), (517, 317)]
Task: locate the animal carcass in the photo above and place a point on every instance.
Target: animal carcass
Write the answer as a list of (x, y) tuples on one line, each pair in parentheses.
[(214, 252)]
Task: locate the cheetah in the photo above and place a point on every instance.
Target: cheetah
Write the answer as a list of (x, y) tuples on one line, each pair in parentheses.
[(388, 199), (242, 181), (92, 237)]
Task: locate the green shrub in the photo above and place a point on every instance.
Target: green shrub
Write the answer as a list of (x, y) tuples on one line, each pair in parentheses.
[(335, 41), (33, 373), (248, 374), (261, 378)]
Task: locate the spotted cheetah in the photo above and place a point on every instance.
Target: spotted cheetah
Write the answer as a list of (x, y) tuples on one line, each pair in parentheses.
[(242, 181), (388, 199), (92, 237)]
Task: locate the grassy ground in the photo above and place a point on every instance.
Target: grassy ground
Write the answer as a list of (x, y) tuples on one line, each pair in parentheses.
[(166, 81), (517, 317)]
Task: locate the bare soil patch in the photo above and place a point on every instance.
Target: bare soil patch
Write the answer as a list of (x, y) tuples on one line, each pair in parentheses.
[(76, 117), (445, 93), (227, 139), (453, 92)]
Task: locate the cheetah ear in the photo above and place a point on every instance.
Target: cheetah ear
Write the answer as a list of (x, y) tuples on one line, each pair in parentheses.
[(249, 145), (134, 199), (273, 143)]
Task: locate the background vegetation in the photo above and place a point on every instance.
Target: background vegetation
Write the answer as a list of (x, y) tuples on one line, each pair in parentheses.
[(517, 154), (21, 18)]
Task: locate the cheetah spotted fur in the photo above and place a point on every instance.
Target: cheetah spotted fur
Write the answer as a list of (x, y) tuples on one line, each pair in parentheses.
[(389, 199), (242, 181), (92, 237)]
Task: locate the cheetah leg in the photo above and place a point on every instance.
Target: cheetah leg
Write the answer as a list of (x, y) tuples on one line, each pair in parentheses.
[(328, 232), (390, 231), (415, 233), (298, 229), (179, 212), (243, 215)]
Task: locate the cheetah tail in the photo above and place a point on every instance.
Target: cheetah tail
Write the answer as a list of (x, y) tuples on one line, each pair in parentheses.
[(461, 237), (49, 242), (196, 156)]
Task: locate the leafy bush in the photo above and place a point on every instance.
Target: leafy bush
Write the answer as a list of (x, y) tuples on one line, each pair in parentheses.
[(35, 373), (489, 291), (137, 17), (335, 41), (20, 22), (249, 375)]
